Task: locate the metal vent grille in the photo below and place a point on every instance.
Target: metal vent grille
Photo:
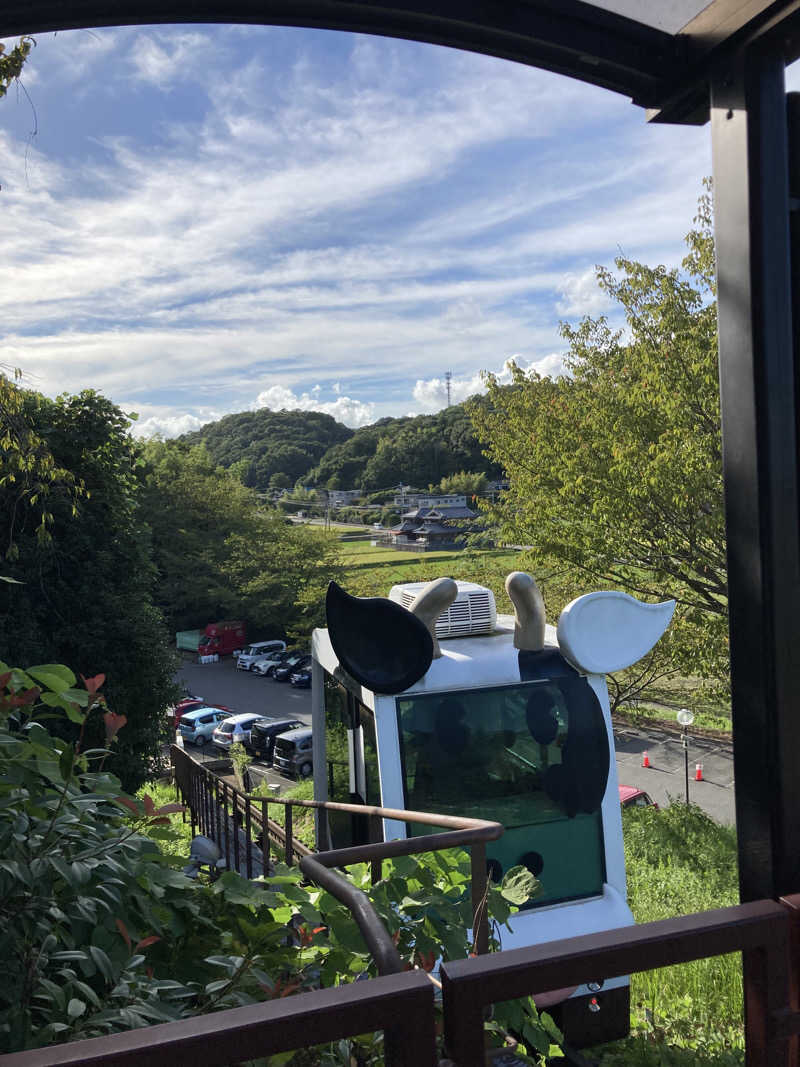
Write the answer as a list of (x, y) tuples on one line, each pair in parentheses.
[(472, 612)]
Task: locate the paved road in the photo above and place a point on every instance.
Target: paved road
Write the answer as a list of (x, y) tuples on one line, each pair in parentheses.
[(664, 779), (244, 691)]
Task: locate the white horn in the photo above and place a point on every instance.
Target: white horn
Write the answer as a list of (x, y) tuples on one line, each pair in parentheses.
[(600, 633), (529, 617), (429, 604)]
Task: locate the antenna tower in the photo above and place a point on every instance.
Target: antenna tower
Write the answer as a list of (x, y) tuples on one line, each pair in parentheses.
[(448, 377)]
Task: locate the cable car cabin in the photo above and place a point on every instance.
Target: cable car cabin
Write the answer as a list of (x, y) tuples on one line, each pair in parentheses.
[(498, 717)]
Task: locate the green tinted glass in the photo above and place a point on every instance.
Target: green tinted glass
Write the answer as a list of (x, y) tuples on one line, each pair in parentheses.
[(497, 754)]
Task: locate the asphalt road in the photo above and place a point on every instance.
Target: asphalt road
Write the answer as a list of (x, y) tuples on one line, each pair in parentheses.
[(244, 691), (664, 780)]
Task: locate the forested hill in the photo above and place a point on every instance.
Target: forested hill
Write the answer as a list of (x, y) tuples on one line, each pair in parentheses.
[(275, 448), (281, 447)]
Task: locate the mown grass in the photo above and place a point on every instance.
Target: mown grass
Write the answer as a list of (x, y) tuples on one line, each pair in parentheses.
[(373, 570), (680, 861)]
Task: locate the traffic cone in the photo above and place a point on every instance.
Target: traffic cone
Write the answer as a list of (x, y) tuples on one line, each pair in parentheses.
[(645, 759), (698, 772)]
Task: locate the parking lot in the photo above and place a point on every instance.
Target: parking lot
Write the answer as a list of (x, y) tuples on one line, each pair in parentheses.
[(244, 691)]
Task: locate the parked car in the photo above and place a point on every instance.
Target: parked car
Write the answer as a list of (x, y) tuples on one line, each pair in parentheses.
[(223, 736), (631, 797), (192, 704), (264, 731), (266, 668), (292, 753), (300, 678), (198, 724), (256, 652), (289, 666)]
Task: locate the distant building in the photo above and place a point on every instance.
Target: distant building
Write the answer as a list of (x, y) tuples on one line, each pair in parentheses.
[(426, 500), (427, 527), (340, 498)]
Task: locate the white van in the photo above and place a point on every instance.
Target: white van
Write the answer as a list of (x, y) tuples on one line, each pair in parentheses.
[(256, 652)]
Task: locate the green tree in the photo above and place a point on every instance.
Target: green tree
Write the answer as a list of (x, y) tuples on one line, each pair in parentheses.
[(83, 592), (192, 506), (463, 483), (615, 469), (219, 554), (11, 63)]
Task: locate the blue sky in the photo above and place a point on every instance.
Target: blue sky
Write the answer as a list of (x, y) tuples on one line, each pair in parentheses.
[(212, 219)]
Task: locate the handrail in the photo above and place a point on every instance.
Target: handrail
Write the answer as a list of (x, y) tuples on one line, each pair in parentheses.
[(402, 1005), (461, 832), (759, 929)]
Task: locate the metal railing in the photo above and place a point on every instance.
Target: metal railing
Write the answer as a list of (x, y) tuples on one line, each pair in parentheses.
[(212, 800), (402, 1004), (767, 933)]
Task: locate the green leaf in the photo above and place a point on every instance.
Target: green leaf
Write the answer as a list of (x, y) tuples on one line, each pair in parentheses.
[(54, 675), (519, 885)]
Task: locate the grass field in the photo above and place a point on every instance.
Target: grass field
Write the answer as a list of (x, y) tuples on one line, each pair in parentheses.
[(371, 570)]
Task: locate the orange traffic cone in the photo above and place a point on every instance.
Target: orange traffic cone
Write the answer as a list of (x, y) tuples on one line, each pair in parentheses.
[(645, 759), (698, 772)]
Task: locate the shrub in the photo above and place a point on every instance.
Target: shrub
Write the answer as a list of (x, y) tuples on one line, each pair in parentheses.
[(100, 932)]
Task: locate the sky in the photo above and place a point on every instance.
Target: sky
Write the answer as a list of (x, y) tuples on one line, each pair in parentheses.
[(198, 220)]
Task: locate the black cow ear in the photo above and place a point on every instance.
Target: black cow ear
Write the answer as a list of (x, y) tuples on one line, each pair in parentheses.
[(379, 643)]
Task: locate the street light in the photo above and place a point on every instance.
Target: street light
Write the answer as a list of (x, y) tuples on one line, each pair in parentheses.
[(686, 718)]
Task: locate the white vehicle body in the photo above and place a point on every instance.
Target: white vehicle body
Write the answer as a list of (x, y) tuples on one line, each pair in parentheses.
[(483, 675), (257, 652)]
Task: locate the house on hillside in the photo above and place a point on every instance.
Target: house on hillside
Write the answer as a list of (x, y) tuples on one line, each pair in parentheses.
[(428, 527), (342, 498)]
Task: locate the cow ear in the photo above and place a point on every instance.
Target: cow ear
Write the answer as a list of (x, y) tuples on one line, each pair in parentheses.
[(605, 632), (379, 643)]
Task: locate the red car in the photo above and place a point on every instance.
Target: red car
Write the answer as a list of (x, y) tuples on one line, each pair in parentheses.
[(190, 703), (631, 797)]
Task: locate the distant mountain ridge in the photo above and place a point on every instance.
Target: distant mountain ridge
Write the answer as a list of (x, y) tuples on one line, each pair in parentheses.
[(280, 448)]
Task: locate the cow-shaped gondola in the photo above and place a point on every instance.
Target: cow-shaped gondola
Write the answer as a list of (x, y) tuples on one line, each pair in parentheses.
[(511, 724)]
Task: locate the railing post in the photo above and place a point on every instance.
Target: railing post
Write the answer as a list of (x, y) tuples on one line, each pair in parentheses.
[(766, 991), (265, 836), (218, 838), (412, 1043), (192, 797), (480, 918), (226, 826), (235, 807), (287, 825), (464, 1038), (792, 905), (248, 846)]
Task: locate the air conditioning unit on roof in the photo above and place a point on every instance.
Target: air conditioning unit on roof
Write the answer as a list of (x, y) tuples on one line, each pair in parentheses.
[(472, 612)]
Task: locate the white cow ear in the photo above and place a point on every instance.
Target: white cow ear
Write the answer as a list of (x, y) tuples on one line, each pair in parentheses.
[(604, 632)]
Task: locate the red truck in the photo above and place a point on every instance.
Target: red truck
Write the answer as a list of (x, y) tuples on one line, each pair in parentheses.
[(220, 638)]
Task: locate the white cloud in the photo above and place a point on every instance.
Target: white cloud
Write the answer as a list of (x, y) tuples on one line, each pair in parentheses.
[(430, 394), (581, 295), (304, 223), (344, 409), (167, 425), (162, 59)]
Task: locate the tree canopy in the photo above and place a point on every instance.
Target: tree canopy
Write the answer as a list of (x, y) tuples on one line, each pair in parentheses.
[(615, 468), (270, 444), (78, 557), (218, 554)]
